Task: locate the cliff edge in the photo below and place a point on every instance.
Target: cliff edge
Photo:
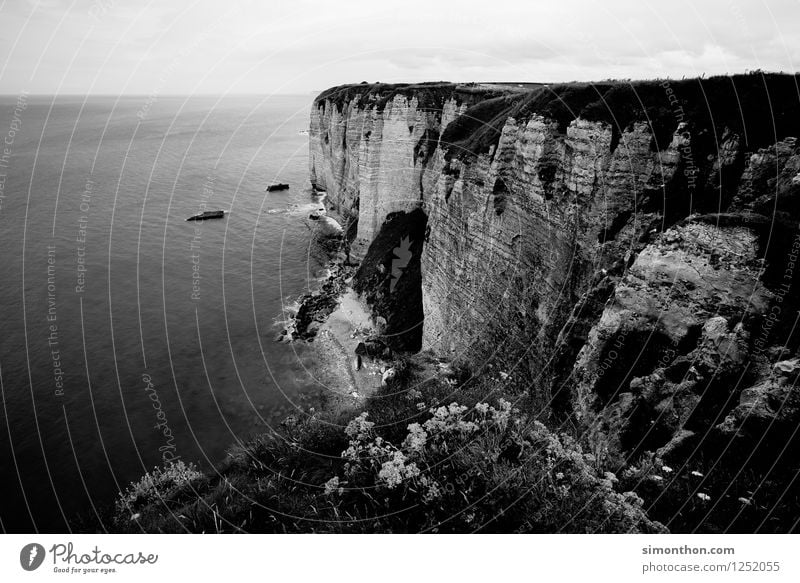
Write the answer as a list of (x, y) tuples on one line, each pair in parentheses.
[(625, 251), (582, 310)]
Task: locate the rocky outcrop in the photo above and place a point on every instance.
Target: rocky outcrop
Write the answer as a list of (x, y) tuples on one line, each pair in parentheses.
[(772, 404), (693, 283)]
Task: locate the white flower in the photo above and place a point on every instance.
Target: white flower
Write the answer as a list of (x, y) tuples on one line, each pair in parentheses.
[(394, 471), (657, 478), (697, 474), (359, 427), (416, 438), (559, 475), (666, 469), (332, 486), (703, 497), (745, 501), (482, 408)]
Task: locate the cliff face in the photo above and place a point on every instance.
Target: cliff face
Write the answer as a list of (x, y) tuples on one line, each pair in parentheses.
[(625, 254), (374, 159)]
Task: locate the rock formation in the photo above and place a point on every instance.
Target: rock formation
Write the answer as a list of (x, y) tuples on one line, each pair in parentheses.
[(632, 246)]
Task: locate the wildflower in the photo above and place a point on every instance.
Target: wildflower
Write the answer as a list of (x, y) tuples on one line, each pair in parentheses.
[(416, 439), (703, 497), (359, 427), (656, 478), (559, 475), (413, 394), (482, 408), (501, 416), (466, 426), (395, 471), (432, 491), (611, 477), (745, 501), (421, 406), (697, 474), (332, 486), (456, 410), (666, 469), (136, 516)]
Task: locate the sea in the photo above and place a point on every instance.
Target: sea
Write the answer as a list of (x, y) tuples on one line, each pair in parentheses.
[(130, 337)]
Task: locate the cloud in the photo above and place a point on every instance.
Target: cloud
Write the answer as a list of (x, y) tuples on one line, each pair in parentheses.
[(255, 46)]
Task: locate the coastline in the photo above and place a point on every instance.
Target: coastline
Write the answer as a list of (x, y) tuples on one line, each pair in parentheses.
[(338, 324)]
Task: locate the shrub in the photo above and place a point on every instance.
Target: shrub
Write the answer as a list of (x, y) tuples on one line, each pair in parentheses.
[(482, 469), (473, 465), (158, 486)]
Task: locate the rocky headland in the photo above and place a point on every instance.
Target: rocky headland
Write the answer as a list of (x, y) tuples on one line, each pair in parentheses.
[(616, 259), (638, 241)]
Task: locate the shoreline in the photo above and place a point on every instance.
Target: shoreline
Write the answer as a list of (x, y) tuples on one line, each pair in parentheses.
[(339, 326)]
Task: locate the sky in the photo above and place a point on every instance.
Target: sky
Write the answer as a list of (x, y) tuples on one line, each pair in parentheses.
[(162, 47)]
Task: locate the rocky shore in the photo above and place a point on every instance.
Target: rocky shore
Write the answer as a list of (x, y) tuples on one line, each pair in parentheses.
[(352, 356)]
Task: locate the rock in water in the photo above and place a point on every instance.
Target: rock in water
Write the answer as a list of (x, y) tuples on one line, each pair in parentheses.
[(326, 226)]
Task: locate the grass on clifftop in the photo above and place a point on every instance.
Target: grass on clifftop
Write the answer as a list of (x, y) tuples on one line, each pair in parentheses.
[(430, 96), (761, 107)]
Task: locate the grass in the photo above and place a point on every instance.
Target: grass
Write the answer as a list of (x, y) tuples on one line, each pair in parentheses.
[(430, 95), (759, 106)]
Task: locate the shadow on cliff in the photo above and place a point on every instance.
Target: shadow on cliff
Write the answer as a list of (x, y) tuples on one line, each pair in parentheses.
[(390, 279)]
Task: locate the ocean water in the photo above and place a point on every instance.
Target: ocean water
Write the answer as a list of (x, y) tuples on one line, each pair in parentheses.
[(129, 336)]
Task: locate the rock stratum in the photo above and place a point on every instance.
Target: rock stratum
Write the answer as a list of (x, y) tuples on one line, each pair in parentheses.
[(628, 249)]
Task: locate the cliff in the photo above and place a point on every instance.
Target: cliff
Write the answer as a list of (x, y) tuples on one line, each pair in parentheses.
[(592, 291), (626, 250)]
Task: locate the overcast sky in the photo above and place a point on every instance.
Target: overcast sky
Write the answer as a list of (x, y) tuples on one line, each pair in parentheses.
[(297, 46)]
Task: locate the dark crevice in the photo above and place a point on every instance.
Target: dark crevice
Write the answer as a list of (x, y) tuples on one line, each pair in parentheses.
[(499, 196), (390, 278), (610, 232)]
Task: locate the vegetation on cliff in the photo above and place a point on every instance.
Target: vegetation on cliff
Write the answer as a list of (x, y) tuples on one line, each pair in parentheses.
[(429, 96), (433, 451), (762, 107)]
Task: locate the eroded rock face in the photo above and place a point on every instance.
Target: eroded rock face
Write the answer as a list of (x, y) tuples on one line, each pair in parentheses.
[(675, 288), (373, 162), (670, 351), (772, 404)]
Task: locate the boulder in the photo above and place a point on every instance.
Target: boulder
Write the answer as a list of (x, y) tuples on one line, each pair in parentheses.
[(773, 403), (326, 226)]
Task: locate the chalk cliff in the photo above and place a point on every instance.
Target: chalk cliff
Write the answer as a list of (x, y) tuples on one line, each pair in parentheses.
[(628, 250)]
